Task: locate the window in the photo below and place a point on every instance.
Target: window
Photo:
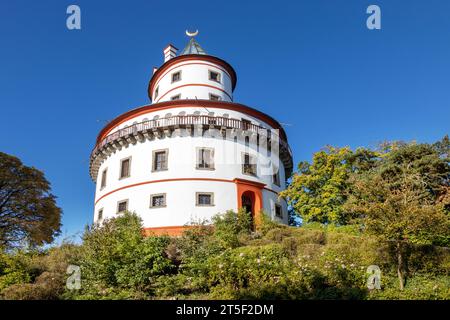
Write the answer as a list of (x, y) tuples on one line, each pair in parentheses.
[(156, 92), (176, 97), (276, 176), (160, 160), (176, 76), (278, 211), (205, 158), (125, 168), (248, 165), (158, 200), (122, 206), (214, 76), (214, 97), (100, 214), (204, 199), (103, 180)]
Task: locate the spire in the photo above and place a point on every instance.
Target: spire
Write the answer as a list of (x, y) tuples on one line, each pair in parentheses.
[(192, 47)]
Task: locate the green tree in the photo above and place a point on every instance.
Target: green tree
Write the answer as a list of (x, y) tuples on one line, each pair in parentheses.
[(397, 199), (318, 190), (28, 210), (117, 260)]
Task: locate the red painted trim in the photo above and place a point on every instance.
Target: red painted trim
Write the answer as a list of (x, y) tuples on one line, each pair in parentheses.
[(186, 64), (249, 183), (194, 85), (189, 57), (189, 103), (240, 181), (173, 231)]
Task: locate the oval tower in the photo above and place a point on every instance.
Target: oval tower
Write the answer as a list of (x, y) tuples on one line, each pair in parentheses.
[(193, 152)]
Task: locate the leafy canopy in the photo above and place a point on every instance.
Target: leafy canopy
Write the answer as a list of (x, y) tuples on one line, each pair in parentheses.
[(28, 211)]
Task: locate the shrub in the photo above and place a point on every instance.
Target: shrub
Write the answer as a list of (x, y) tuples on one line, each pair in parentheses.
[(118, 261)]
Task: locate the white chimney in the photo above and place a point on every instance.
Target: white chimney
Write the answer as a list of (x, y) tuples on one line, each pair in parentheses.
[(170, 52), (155, 69)]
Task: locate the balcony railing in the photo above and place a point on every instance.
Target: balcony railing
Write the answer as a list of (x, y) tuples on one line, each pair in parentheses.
[(187, 120)]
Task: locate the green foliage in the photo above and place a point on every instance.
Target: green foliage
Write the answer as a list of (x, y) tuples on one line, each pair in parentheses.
[(311, 262), (230, 226), (420, 287), (28, 210), (117, 261), (35, 275), (14, 269), (318, 191)]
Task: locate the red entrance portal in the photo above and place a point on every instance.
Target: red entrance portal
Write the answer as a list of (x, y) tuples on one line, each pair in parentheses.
[(249, 196)]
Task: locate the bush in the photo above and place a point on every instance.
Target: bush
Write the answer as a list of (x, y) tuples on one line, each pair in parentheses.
[(419, 287), (230, 226), (39, 275), (117, 261)]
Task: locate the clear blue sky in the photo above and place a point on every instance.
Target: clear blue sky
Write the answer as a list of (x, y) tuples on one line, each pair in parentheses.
[(312, 64)]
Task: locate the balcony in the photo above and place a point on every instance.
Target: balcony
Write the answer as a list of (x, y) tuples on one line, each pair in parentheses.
[(158, 128)]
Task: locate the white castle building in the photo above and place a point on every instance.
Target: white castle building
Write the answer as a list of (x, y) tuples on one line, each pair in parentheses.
[(193, 152)]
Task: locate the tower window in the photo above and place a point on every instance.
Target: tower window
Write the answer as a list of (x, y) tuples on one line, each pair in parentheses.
[(204, 199), (176, 76), (122, 206), (100, 214), (158, 200), (156, 92), (248, 165), (160, 160), (103, 180), (276, 176), (176, 97), (125, 168), (278, 211), (205, 158), (214, 97), (214, 76)]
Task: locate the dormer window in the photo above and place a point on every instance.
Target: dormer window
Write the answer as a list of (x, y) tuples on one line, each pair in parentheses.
[(176, 97), (214, 76), (156, 92), (214, 97), (176, 76)]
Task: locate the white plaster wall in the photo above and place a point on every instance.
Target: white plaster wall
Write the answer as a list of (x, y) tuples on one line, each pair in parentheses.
[(270, 199), (193, 72), (180, 207), (218, 112), (180, 195)]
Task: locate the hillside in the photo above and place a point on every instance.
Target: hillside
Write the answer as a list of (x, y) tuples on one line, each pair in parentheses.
[(224, 261)]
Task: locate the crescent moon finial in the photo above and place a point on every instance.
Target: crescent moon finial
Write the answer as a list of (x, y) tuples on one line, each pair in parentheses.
[(191, 34)]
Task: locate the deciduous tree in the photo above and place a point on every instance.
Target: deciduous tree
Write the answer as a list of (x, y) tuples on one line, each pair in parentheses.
[(28, 210), (398, 199)]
